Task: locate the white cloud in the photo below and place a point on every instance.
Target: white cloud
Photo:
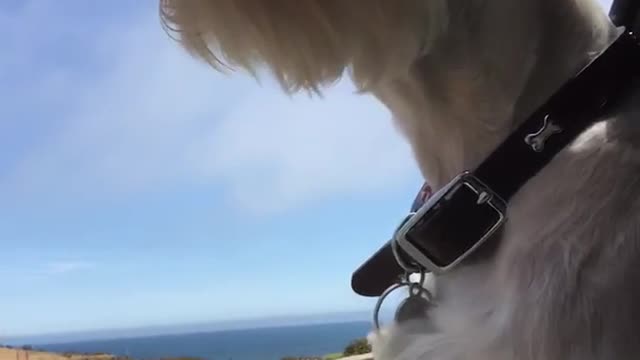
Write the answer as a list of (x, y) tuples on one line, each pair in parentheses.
[(156, 119), (274, 153)]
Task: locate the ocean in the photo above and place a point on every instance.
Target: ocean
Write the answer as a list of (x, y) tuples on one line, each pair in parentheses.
[(251, 344)]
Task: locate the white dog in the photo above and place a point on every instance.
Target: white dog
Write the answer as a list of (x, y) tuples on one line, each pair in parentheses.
[(459, 75)]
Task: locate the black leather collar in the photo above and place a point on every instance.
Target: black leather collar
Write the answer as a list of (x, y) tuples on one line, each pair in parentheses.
[(582, 101)]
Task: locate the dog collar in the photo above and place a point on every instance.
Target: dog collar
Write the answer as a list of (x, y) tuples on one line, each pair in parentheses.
[(444, 228)]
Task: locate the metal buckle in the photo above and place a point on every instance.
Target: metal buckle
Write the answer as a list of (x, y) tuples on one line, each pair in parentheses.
[(433, 208)]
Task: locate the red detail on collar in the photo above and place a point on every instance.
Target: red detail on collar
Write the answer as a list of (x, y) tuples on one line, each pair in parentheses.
[(423, 195)]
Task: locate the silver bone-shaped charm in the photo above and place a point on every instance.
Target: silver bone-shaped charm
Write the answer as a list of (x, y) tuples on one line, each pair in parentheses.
[(537, 140)]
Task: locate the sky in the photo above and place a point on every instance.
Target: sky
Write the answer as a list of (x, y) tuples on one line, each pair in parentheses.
[(141, 188)]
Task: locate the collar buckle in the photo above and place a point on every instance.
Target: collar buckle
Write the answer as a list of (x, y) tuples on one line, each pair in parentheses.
[(452, 224)]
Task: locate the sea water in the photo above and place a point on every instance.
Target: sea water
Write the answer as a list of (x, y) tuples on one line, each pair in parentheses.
[(250, 344)]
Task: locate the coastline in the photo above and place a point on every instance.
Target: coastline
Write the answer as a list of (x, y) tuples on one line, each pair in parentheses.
[(324, 341), (11, 353), (27, 353)]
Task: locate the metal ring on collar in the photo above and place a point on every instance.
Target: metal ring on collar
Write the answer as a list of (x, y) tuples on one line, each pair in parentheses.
[(415, 289), (376, 310)]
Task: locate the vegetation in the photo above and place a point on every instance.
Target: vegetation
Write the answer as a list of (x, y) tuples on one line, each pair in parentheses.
[(333, 356), (357, 347), (30, 352)]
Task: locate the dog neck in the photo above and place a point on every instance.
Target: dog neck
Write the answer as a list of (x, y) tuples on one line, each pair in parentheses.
[(484, 77)]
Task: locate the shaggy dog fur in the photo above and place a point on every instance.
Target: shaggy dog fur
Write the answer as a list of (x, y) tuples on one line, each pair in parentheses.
[(458, 76)]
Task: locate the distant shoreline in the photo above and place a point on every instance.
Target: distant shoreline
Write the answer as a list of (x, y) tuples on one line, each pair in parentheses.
[(26, 353), (11, 353), (264, 343)]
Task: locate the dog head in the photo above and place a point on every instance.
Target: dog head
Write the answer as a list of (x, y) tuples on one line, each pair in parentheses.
[(457, 75), (452, 72)]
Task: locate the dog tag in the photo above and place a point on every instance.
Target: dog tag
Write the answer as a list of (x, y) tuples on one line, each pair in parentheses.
[(415, 306)]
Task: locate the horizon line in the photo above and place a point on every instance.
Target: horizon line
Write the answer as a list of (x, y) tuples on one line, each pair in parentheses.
[(186, 328)]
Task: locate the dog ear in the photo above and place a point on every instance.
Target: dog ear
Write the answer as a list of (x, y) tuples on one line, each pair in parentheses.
[(307, 44)]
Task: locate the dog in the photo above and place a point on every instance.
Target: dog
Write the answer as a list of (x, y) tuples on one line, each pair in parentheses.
[(458, 77)]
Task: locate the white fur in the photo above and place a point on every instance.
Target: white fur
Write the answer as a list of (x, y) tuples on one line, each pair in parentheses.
[(564, 282), (556, 289)]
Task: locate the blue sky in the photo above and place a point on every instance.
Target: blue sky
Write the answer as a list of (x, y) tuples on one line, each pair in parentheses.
[(141, 188)]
